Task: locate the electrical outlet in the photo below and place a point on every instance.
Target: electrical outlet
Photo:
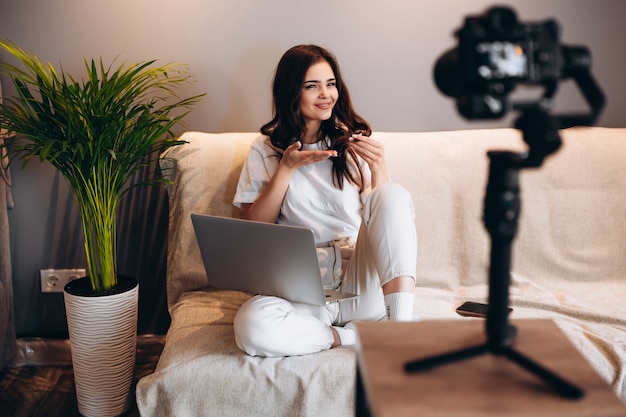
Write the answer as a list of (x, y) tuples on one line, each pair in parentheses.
[(53, 280)]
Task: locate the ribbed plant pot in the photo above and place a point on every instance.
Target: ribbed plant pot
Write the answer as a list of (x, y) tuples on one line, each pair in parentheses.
[(103, 339)]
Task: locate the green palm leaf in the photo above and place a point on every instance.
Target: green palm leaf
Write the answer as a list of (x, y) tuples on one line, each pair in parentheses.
[(97, 131)]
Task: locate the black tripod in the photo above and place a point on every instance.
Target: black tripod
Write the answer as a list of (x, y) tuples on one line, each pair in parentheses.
[(501, 212)]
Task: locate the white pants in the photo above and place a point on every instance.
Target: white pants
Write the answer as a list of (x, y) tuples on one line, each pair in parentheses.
[(386, 248)]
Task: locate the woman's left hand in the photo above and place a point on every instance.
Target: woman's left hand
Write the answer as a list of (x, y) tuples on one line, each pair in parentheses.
[(372, 152)]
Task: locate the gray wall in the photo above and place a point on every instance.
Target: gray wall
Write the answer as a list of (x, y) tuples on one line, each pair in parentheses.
[(386, 48)]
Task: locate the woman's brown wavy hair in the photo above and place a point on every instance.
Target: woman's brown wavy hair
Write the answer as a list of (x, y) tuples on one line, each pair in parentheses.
[(287, 124)]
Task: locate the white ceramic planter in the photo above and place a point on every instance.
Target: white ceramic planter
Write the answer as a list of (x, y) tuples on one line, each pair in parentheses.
[(103, 337)]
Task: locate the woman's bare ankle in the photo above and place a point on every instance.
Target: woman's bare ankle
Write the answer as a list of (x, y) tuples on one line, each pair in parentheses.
[(336, 339)]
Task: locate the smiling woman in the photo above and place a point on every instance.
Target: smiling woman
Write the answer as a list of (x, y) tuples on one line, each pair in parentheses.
[(311, 170)]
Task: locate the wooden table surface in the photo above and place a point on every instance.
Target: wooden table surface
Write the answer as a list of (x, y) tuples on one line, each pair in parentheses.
[(486, 385)]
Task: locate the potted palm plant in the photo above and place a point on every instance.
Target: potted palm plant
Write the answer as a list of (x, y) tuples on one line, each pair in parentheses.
[(97, 131)]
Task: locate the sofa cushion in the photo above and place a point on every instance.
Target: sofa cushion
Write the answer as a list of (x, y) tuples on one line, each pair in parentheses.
[(204, 172)]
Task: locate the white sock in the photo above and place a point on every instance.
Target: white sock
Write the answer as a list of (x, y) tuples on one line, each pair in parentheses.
[(347, 334), (399, 306)]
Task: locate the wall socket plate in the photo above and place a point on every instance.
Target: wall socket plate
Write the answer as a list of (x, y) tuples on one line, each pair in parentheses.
[(53, 280)]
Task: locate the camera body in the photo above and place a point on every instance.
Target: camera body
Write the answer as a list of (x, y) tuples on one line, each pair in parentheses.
[(495, 53)]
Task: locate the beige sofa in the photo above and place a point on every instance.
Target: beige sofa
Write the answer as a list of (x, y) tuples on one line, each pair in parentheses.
[(569, 265)]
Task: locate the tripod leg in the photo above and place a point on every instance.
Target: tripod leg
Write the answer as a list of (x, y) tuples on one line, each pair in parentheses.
[(560, 385), (433, 361)]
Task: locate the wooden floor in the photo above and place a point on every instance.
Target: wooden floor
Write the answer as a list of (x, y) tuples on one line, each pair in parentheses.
[(48, 390)]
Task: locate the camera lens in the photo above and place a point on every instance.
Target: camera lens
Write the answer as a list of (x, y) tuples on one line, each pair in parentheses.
[(447, 75)]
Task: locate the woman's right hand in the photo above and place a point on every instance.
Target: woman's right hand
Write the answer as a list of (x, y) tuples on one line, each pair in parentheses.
[(294, 158), (266, 208)]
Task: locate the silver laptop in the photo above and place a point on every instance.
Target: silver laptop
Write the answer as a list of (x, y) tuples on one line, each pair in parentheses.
[(262, 258)]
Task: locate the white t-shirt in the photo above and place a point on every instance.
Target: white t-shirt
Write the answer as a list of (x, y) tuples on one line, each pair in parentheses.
[(312, 200)]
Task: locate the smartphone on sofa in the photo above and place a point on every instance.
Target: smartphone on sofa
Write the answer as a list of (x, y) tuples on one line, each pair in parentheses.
[(474, 309)]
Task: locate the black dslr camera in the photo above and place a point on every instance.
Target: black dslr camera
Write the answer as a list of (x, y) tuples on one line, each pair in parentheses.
[(496, 52)]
